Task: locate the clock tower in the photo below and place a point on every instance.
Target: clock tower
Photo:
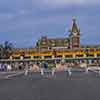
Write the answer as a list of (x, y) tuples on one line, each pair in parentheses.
[(74, 36)]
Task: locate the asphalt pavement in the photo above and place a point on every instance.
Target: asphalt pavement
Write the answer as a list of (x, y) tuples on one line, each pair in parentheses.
[(61, 86)]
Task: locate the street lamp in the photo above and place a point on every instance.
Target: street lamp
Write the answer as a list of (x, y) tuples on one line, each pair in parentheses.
[(86, 52), (54, 54)]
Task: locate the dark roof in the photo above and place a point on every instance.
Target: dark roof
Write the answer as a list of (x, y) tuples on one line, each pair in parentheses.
[(90, 46), (57, 39), (74, 28)]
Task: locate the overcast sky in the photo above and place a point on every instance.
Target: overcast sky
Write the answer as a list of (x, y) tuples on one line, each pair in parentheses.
[(24, 21)]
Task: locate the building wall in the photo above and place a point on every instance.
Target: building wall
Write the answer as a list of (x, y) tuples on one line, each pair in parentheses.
[(46, 43), (70, 42)]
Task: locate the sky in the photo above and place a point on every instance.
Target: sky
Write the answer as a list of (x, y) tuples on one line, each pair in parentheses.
[(23, 22)]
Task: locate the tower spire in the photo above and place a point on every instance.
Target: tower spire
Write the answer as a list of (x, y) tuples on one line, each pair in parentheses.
[(75, 28), (74, 35)]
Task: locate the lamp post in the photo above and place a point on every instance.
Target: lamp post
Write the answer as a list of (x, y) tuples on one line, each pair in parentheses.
[(86, 52), (55, 55)]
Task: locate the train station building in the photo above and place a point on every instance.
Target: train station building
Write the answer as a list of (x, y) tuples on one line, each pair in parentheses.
[(67, 48), (69, 42)]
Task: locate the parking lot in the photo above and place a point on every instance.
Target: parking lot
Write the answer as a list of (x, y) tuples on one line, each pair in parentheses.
[(79, 86)]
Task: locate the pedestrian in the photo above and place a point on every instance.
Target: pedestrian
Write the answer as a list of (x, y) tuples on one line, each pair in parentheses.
[(87, 70), (9, 68), (26, 69), (69, 71), (99, 71), (53, 71), (42, 68)]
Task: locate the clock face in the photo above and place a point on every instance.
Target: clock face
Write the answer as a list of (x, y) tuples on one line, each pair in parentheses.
[(74, 34)]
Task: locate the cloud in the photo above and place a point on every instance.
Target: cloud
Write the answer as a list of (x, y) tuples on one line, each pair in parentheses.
[(32, 18), (6, 16), (15, 5), (63, 3)]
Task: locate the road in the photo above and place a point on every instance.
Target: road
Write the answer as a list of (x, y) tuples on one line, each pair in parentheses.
[(79, 86)]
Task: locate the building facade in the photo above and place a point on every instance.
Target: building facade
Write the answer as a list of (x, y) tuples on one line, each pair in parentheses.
[(67, 48), (69, 42)]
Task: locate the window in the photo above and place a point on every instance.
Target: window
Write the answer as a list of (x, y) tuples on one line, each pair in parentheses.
[(16, 57), (89, 55), (37, 57), (52, 41), (47, 57), (79, 55), (43, 42), (53, 44), (66, 40), (68, 56), (98, 55), (59, 56), (27, 57)]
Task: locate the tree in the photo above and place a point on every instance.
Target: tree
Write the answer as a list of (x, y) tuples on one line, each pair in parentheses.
[(1, 51), (6, 50)]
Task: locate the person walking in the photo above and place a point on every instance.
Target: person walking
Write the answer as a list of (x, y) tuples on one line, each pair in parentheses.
[(26, 69), (42, 68), (69, 72)]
